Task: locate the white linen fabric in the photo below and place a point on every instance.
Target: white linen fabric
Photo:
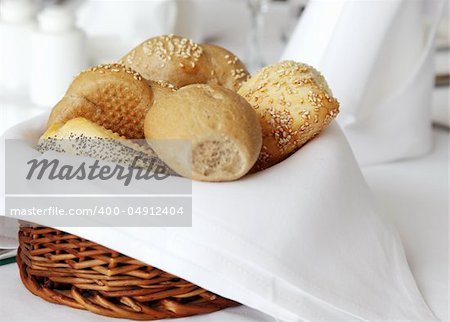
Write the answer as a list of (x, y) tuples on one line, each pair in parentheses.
[(402, 189), (300, 241), (374, 56), (414, 195)]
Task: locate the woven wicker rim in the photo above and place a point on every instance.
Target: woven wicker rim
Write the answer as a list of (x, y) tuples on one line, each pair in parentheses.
[(65, 269)]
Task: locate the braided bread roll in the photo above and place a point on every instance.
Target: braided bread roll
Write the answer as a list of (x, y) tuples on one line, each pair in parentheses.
[(294, 104), (113, 96), (181, 62)]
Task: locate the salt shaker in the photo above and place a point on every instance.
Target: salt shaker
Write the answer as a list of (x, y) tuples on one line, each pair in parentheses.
[(17, 20), (58, 53)]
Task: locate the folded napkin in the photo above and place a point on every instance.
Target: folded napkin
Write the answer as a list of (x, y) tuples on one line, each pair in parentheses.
[(378, 60), (300, 241)]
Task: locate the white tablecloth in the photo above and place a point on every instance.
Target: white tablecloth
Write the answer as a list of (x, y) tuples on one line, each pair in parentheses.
[(414, 194)]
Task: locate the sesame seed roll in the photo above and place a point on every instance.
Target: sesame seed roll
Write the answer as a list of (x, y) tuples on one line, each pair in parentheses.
[(170, 58), (181, 62), (228, 70), (294, 104)]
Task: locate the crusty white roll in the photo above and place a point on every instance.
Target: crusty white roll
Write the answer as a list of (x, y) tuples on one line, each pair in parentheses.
[(113, 96), (294, 104), (222, 128)]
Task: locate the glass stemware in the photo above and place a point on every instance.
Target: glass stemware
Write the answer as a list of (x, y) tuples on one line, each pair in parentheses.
[(255, 57)]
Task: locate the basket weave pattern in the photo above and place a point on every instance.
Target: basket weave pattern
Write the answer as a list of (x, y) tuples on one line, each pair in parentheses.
[(66, 269)]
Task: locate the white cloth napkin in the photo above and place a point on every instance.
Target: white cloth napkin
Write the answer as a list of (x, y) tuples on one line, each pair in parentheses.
[(378, 61), (299, 241)]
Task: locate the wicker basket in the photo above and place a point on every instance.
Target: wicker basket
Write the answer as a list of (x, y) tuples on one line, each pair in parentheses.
[(66, 269)]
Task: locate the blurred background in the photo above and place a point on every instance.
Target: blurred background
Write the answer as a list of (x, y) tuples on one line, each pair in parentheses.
[(44, 43)]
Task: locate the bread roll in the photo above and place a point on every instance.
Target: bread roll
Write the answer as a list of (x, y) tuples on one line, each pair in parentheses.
[(171, 58), (113, 96), (77, 127), (228, 70), (82, 137), (294, 104), (223, 130), (181, 62)]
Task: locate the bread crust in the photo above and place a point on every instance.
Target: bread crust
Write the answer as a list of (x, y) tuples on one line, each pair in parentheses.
[(223, 130), (228, 70), (113, 96), (79, 126), (294, 104), (170, 58), (79, 136), (181, 62)]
